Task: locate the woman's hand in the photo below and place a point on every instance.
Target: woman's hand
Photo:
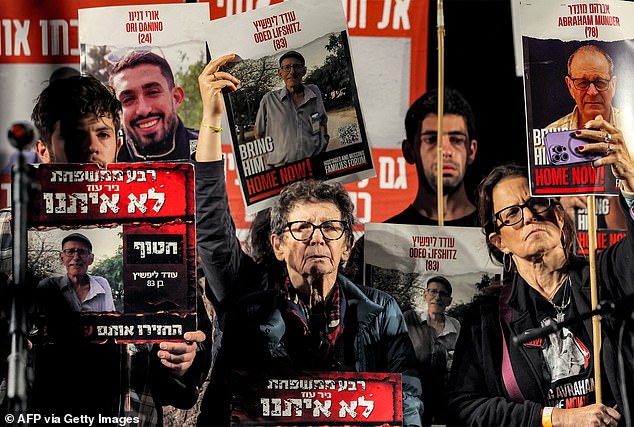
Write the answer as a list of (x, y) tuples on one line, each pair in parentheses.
[(211, 83), (595, 415), (178, 357), (610, 141)]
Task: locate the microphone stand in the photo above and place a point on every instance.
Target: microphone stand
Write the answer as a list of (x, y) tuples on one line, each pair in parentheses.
[(544, 331), (623, 308), (17, 360)]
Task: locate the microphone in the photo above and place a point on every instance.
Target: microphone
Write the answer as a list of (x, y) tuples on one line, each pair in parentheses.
[(622, 308), (22, 134)]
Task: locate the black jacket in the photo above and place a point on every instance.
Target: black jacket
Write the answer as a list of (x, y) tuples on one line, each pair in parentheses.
[(248, 301), (477, 394)]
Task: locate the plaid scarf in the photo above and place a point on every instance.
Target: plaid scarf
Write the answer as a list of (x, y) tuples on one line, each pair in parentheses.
[(320, 327)]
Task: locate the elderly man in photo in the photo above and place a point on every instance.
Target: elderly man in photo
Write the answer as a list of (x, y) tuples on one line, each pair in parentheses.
[(434, 336), (82, 291), (592, 84), (293, 116)]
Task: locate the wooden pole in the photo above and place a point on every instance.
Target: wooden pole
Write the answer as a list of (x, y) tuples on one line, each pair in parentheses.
[(594, 296), (441, 107)]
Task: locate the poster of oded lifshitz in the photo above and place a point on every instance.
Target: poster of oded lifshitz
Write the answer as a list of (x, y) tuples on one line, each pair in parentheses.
[(577, 65), (296, 113), (402, 259), (114, 249), (151, 55)]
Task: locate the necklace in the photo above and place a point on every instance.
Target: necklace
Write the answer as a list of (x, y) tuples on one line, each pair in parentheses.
[(565, 301)]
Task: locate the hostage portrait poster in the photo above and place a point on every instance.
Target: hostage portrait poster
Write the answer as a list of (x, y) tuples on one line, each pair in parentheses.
[(296, 113), (400, 259), (556, 100), (128, 228), (151, 56)]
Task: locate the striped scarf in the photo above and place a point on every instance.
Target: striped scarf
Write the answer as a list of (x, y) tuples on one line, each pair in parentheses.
[(320, 327)]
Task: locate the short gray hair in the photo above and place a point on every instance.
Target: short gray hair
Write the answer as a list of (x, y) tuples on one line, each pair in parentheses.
[(312, 191)]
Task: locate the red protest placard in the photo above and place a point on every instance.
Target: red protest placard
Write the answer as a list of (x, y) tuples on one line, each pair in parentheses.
[(319, 399), (133, 231)]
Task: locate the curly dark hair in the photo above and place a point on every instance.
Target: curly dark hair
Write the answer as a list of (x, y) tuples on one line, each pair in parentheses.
[(313, 191), (487, 216), (68, 100)]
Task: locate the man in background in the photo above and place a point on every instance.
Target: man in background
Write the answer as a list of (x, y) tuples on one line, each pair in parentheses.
[(459, 151), (420, 149), (434, 336), (82, 111), (293, 116), (144, 84)]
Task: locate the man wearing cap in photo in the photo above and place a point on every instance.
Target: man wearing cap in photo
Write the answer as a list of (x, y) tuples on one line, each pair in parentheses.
[(82, 291), (294, 116), (434, 336)]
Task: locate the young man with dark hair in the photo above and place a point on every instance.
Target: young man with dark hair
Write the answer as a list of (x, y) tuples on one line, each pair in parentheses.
[(459, 151), (144, 84), (78, 119), (420, 149)]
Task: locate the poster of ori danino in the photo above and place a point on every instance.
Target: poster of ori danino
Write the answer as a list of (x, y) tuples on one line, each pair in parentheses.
[(151, 56), (116, 245), (400, 259), (577, 65), (296, 113), (318, 399)]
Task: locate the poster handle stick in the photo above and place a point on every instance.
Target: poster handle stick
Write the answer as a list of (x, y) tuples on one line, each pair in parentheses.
[(594, 296), (441, 101)]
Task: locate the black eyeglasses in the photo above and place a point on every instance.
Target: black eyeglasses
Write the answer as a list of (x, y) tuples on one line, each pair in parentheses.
[(511, 215), (79, 251), (304, 230), (583, 84), (288, 67), (436, 292)]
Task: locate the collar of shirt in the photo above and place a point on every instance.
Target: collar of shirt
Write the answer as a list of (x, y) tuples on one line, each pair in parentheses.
[(449, 328), (95, 287)]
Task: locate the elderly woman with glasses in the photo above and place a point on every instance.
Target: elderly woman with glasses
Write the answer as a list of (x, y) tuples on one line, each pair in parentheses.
[(295, 312), (548, 381)]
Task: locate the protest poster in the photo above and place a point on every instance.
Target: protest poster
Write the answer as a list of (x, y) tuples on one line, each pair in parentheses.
[(151, 55), (555, 104), (551, 33), (401, 258), (396, 33), (606, 236), (318, 399), (136, 227), (296, 120)]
